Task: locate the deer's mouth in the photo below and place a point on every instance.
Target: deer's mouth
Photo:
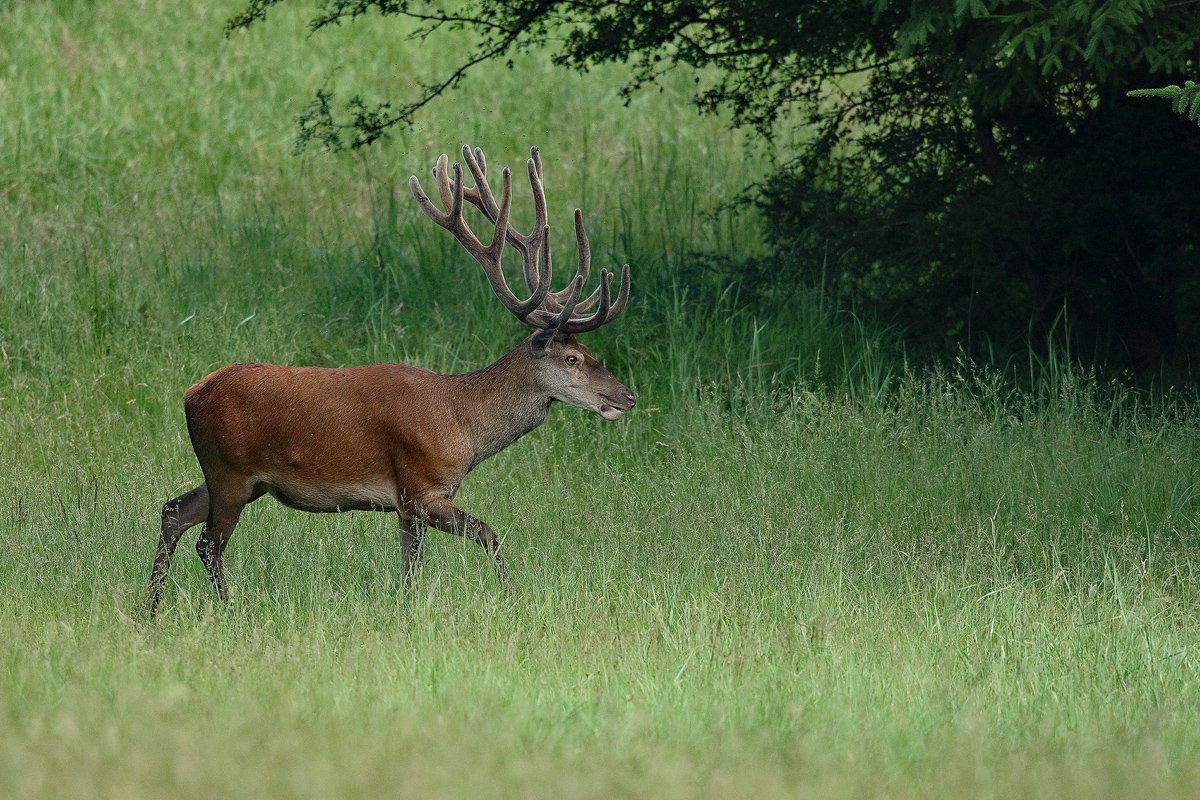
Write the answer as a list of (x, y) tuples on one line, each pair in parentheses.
[(609, 412), (615, 407)]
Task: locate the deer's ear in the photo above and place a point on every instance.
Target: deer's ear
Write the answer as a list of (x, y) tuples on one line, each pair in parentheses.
[(540, 341)]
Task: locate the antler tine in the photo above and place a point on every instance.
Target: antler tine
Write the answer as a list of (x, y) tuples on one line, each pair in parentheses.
[(536, 299), (426, 204), (442, 177), (568, 309), (496, 248), (584, 324), (535, 156), (555, 299), (618, 306), (541, 221), (481, 193)]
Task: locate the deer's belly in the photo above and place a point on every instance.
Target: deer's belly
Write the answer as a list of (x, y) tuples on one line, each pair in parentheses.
[(332, 499)]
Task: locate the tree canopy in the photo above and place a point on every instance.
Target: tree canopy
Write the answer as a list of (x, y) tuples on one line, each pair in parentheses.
[(971, 170)]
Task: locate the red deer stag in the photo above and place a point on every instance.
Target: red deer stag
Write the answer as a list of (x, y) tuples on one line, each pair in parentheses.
[(391, 437)]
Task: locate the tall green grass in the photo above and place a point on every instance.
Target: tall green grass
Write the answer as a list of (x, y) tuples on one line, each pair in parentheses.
[(796, 569)]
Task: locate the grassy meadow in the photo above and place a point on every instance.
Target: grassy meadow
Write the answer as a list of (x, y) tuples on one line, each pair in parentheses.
[(797, 569)]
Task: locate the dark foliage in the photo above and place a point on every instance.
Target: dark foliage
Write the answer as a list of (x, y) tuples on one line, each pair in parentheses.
[(1086, 233), (970, 170)]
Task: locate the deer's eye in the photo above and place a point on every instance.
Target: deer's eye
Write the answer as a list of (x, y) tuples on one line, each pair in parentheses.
[(572, 359)]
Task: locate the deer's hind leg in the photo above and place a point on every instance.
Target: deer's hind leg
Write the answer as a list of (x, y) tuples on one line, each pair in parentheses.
[(178, 514), (225, 507), (412, 543)]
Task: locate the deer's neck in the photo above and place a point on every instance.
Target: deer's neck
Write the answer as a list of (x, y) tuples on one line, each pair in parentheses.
[(500, 403)]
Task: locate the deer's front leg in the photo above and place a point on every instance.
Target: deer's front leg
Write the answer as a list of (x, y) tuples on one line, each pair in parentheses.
[(445, 516)]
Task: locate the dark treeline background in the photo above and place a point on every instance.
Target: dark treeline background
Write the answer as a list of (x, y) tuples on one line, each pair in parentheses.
[(970, 174)]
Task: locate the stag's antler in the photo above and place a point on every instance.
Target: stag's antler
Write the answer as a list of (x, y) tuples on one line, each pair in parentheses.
[(552, 312)]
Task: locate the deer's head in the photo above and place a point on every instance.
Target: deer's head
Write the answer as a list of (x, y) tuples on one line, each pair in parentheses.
[(568, 371), (559, 364)]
